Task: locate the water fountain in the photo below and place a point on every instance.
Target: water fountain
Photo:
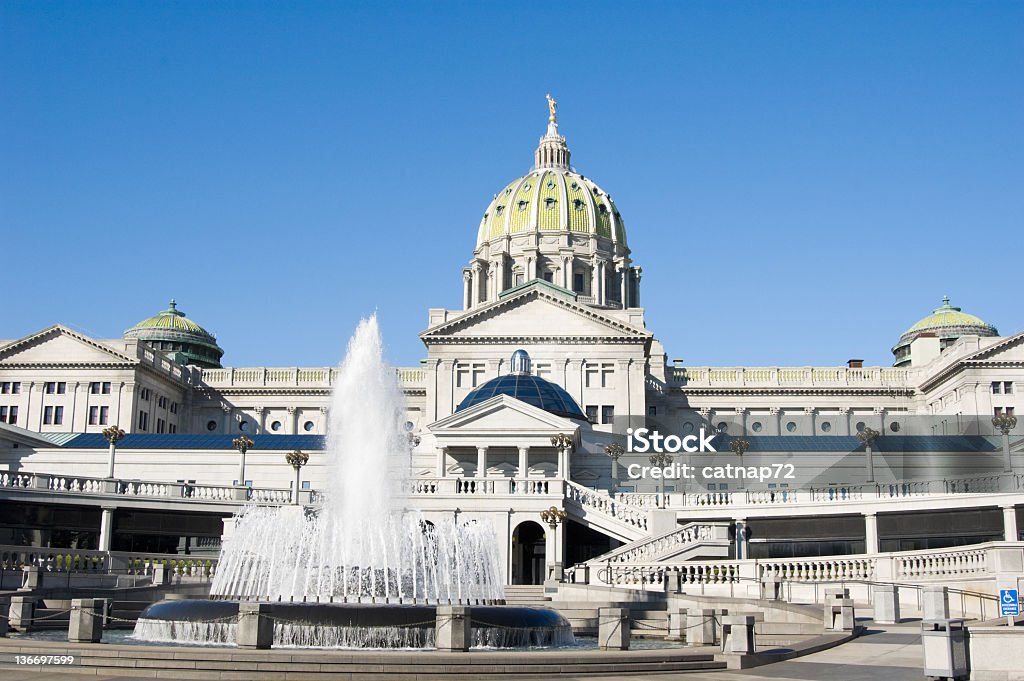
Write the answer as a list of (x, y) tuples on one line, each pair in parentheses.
[(365, 570)]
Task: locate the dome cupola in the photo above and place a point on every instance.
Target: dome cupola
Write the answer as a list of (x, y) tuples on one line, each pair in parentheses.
[(525, 387), (554, 224), (947, 323), (172, 332)]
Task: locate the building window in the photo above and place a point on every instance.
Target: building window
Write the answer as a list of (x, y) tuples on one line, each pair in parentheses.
[(548, 277), (791, 427), (577, 282), (308, 426), (143, 421), (756, 426), (55, 388), (161, 402), (211, 425), (94, 416), (519, 278), (860, 426), (1007, 388), (48, 416), (826, 426), (104, 411), (171, 428), (174, 407), (607, 414), (997, 388), (160, 424), (8, 388), (243, 426), (12, 417), (53, 416), (469, 375), (998, 411), (144, 394), (99, 388), (592, 413), (599, 375), (652, 411), (894, 426), (275, 426)]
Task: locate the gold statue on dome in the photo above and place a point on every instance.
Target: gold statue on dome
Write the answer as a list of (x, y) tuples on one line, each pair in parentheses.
[(552, 108)]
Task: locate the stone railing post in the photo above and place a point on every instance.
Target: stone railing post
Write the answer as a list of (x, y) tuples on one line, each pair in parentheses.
[(700, 627), (31, 578), (86, 623), (21, 613), (936, 603), (771, 588), (255, 628), (887, 604), (613, 629), (453, 632), (676, 625)]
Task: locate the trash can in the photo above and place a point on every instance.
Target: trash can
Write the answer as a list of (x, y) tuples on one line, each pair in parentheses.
[(944, 644)]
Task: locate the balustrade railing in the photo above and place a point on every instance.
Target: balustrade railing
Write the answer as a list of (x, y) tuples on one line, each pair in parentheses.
[(107, 562), (605, 505), (312, 377), (792, 376), (666, 544)]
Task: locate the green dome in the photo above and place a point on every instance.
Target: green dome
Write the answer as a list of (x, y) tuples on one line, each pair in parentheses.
[(551, 200), (172, 332), (947, 323)]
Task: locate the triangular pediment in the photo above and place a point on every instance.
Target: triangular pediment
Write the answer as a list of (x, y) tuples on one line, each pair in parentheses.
[(535, 312), (1009, 349), (60, 346), (502, 414)]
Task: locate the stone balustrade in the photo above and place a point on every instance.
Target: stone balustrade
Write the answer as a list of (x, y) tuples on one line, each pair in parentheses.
[(318, 377), (104, 562), (609, 507), (668, 543), (713, 377)]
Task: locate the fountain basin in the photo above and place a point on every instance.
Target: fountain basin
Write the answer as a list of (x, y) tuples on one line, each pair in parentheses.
[(350, 625)]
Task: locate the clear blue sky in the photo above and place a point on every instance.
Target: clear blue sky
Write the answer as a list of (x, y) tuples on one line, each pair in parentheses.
[(800, 181)]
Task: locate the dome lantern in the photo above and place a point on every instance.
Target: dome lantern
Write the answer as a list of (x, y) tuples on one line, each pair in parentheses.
[(172, 332)]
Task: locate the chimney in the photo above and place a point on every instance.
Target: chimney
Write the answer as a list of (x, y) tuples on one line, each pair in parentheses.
[(855, 363)]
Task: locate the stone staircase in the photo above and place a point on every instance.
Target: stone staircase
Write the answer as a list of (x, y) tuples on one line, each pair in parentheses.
[(693, 540), (601, 512), (526, 595)]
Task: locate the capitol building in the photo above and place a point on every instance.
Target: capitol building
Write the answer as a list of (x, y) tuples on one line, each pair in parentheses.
[(519, 415)]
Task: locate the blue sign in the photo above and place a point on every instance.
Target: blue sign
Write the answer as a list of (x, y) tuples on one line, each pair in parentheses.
[(1009, 605)]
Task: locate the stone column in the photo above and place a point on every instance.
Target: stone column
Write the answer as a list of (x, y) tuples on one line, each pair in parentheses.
[(524, 462), (844, 421), (261, 417), (442, 462), (742, 539), (870, 533), (811, 414), (106, 528), (467, 289), (481, 462), (1010, 530), (774, 421), (225, 422), (621, 271)]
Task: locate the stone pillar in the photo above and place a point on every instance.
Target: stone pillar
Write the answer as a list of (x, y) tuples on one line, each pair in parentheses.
[(481, 462), (453, 631), (738, 634), (86, 623), (161, 574), (293, 420), (742, 539), (1010, 529), (31, 578), (870, 533), (771, 588), (524, 463), (936, 603), (467, 289), (811, 413), (869, 462), (442, 462), (21, 613), (225, 422), (261, 416), (255, 628), (613, 628), (673, 585), (774, 421), (887, 604), (844, 421), (106, 528), (676, 625), (111, 456), (700, 627)]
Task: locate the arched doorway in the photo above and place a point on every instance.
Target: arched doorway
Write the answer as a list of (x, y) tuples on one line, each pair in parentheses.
[(528, 554)]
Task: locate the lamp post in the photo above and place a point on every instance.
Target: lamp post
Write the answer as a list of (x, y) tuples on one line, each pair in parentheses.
[(242, 444), (113, 435), (867, 438), (614, 451), (661, 460), (739, 448), (554, 516), (296, 460), (563, 443), (1005, 423)]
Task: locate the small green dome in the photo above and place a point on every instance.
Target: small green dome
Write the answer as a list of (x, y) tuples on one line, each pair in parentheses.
[(947, 323), (172, 332)]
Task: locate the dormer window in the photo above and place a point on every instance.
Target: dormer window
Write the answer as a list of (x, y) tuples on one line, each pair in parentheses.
[(550, 202), (499, 210), (523, 203), (577, 204)]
